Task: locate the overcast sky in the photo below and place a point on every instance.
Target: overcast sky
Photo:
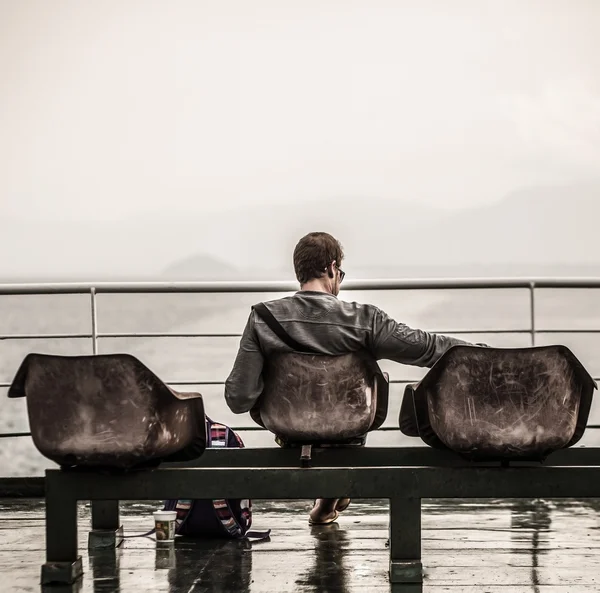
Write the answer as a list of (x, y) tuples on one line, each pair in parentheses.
[(118, 107)]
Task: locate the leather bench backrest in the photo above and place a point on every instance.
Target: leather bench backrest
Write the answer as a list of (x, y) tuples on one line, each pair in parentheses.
[(319, 398), (500, 403), (107, 411)]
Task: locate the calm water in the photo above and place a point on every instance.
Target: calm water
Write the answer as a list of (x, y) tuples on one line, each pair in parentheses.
[(210, 359)]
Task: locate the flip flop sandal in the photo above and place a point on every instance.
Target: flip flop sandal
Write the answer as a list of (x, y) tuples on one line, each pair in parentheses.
[(326, 522)]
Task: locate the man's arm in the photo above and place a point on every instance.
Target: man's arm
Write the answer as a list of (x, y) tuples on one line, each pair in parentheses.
[(245, 383), (398, 342)]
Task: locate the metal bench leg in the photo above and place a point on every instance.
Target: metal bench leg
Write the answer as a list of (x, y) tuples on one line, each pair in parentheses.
[(63, 565), (405, 540), (104, 566), (106, 529)]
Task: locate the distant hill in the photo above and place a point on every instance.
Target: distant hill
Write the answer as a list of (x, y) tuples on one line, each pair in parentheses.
[(542, 226), (199, 267), (534, 231), (537, 231)]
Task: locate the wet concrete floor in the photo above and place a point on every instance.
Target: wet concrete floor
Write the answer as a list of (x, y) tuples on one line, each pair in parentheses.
[(508, 546)]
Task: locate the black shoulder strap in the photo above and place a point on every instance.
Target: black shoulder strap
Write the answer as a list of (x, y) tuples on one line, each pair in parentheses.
[(277, 329)]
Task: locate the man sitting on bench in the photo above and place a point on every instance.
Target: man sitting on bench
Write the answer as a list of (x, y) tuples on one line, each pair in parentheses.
[(315, 318)]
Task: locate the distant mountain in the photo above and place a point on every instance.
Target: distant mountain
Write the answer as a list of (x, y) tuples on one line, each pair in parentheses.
[(534, 231), (537, 226), (541, 226), (199, 267)]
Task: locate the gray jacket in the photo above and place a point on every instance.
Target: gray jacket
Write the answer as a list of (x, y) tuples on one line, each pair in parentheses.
[(320, 321)]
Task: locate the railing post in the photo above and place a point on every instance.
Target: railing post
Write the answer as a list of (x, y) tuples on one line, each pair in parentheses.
[(532, 311), (94, 321)]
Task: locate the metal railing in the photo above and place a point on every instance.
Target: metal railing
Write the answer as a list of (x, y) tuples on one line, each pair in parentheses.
[(94, 289)]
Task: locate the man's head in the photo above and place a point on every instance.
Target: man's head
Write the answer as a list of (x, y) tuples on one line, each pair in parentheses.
[(317, 261)]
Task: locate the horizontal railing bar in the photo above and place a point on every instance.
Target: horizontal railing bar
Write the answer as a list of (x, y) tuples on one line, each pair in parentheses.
[(167, 335), (392, 381), (380, 429), (288, 286), (30, 487), (238, 335), (191, 382), (117, 335), (567, 331), (256, 428), (14, 435), (43, 336), (201, 383)]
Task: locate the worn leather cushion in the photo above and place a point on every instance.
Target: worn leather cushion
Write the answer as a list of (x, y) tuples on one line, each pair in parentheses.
[(107, 411), (318, 398), (491, 403)]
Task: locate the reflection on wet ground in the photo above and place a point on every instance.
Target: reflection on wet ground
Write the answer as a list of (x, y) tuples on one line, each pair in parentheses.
[(533, 516), (476, 546)]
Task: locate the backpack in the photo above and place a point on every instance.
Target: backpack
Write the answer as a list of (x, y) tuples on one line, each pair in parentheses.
[(222, 518)]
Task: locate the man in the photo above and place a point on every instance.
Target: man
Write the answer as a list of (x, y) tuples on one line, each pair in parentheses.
[(316, 318)]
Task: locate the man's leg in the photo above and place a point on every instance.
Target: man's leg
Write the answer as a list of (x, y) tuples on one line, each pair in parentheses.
[(324, 511), (327, 510)]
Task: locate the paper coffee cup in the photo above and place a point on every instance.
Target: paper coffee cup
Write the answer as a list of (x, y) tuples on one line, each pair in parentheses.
[(164, 523)]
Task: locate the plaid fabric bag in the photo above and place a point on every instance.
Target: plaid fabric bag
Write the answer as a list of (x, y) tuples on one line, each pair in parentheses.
[(222, 518)]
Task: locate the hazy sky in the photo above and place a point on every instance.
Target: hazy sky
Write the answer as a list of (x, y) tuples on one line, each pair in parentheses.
[(115, 107)]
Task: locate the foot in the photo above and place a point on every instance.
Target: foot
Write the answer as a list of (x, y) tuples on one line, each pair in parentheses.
[(324, 511), (327, 510)]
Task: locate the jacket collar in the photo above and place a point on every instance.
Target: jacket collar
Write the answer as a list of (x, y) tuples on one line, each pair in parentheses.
[(317, 293)]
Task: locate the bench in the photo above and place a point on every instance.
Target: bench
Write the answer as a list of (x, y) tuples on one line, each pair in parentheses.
[(544, 392), (405, 476)]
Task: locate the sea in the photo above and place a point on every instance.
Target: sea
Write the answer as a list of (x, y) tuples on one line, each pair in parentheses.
[(477, 313)]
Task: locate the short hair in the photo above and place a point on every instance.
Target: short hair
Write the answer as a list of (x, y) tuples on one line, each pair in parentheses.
[(313, 253)]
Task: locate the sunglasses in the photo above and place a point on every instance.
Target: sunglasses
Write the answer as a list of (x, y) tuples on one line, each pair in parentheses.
[(342, 273)]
